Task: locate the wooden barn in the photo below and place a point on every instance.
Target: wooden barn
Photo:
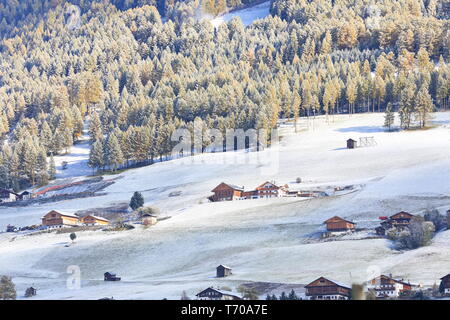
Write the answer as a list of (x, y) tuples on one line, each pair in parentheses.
[(57, 219), (109, 276), (217, 294), (400, 219), (8, 196), (337, 224), (351, 144), (227, 192), (388, 287), (444, 287), (91, 220), (325, 289), (223, 271), (26, 195)]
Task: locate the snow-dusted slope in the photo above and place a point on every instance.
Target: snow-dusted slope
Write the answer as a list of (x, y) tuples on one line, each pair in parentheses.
[(263, 240), (247, 15)]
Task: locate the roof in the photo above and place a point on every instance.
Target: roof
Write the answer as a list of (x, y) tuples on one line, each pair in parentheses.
[(444, 277), (232, 186), (351, 140), (339, 284), (393, 279), (223, 292), (96, 217), (2, 190), (267, 182), (402, 212), (226, 267), (339, 218), (65, 214)]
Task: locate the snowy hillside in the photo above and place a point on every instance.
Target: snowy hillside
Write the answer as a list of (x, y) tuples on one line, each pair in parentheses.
[(247, 15), (262, 240)]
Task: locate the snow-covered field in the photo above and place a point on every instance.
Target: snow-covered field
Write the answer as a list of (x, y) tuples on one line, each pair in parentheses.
[(262, 240), (247, 15)]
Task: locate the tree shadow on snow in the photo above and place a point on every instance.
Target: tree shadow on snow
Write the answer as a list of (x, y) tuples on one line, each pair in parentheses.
[(362, 129)]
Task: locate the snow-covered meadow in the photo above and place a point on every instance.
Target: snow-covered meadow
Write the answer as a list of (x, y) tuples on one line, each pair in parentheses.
[(247, 15), (262, 240)]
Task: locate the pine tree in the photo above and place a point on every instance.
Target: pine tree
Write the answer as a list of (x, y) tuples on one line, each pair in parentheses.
[(96, 155), (137, 201), (7, 289), (424, 105), (113, 154), (52, 168), (95, 127), (389, 117)]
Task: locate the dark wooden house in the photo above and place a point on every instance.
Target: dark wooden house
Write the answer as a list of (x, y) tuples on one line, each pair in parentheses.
[(444, 287), (217, 294), (351, 144), (227, 192), (400, 219), (337, 224), (111, 277), (223, 271), (325, 289)]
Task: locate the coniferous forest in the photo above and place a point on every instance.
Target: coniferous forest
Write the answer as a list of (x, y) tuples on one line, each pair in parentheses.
[(139, 69)]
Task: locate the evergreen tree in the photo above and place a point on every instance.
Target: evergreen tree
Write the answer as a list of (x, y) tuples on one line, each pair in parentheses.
[(7, 289), (96, 155), (113, 154), (52, 168), (389, 117), (137, 201)]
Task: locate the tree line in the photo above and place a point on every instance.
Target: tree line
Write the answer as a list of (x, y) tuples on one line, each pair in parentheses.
[(136, 77)]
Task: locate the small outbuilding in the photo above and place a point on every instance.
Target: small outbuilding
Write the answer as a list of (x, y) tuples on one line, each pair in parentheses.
[(109, 276), (337, 224), (444, 286), (26, 195), (30, 292), (223, 271), (351, 144)]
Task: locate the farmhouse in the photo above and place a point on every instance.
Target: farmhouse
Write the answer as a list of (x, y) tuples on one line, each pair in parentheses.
[(388, 287), (216, 294), (8, 196), (400, 219), (325, 289), (227, 192), (271, 190), (223, 271), (337, 224), (56, 219), (351, 144), (91, 220), (445, 285)]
